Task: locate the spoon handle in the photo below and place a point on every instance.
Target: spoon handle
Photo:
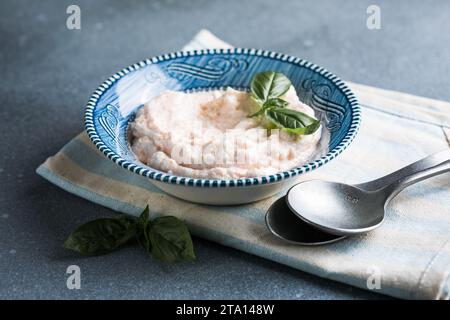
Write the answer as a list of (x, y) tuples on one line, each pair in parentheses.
[(423, 169)]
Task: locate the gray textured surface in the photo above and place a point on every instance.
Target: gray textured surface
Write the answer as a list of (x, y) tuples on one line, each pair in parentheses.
[(48, 73)]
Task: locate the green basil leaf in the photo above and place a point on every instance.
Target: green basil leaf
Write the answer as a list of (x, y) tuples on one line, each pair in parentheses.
[(276, 103), (144, 217), (170, 240), (102, 235), (259, 112), (144, 221), (269, 85), (272, 103), (293, 121)]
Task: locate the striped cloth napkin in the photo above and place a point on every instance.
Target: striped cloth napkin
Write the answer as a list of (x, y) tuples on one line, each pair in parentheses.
[(407, 257)]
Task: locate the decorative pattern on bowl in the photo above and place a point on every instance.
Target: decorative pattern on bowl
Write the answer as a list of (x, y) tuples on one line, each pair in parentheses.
[(113, 105)]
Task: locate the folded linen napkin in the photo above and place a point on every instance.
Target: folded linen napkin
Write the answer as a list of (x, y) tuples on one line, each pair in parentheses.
[(407, 257)]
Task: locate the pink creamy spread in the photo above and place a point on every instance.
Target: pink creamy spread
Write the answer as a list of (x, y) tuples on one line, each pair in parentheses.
[(208, 134)]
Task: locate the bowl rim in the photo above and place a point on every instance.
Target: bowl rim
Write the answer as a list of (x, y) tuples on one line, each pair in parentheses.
[(160, 176)]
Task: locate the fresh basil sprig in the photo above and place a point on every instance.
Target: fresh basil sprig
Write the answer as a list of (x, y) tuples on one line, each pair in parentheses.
[(267, 88), (271, 103), (102, 236), (292, 121), (269, 85), (166, 238)]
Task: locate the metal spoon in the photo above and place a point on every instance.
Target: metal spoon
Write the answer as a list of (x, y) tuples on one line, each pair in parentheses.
[(339, 209), (283, 223)]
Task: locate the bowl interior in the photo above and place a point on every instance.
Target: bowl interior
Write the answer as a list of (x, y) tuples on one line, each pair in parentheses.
[(114, 103)]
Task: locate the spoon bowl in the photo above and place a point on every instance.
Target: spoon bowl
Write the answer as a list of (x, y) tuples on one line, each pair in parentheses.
[(336, 208), (283, 223)]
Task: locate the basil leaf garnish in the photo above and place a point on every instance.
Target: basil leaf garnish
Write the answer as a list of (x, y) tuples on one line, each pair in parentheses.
[(272, 103), (293, 121), (276, 103), (170, 240), (144, 217), (144, 221), (268, 85), (266, 89), (166, 238), (102, 235)]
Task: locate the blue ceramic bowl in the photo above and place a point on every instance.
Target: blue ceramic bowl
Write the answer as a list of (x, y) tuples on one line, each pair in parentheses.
[(113, 105)]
